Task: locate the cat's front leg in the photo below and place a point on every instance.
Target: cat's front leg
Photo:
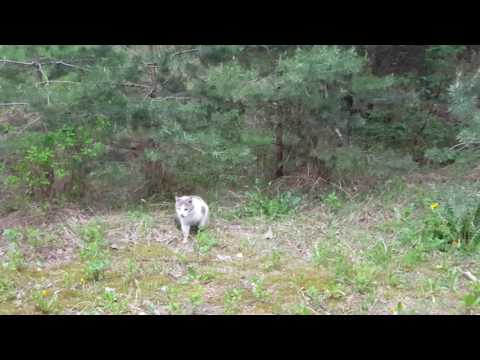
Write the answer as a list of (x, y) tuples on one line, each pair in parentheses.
[(185, 232)]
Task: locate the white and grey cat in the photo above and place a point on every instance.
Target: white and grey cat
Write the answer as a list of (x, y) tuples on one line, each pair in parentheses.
[(191, 214)]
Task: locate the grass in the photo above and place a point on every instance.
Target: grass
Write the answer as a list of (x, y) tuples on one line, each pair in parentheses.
[(373, 254)]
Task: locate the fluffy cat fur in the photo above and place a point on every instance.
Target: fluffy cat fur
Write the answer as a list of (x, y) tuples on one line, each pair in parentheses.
[(191, 214)]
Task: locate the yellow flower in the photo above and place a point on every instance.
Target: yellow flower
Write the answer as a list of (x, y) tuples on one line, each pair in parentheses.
[(434, 206), (44, 293)]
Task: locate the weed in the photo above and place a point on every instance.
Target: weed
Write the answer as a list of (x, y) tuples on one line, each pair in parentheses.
[(413, 257), (133, 271), (16, 259), (7, 289), (231, 300), (112, 303), (45, 301), (472, 299), (94, 253), (260, 204), (173, 306), (301, 309), (364, 277), (258, 289), (380, 254), (395, 280), (205, 241), (196, 298), (274, 261), (333, 202), (68, 280), (335, 290)]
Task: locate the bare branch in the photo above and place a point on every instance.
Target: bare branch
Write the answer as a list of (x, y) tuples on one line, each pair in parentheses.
[(14, 104), (58, 82), (173, 98), (5, 61), (134, 85), (185, 52), (60, 62)]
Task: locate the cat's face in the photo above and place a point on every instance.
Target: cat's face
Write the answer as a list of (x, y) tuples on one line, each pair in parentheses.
[(183, 205)]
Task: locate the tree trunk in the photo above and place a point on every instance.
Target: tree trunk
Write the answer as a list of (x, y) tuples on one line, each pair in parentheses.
[(279, 150)]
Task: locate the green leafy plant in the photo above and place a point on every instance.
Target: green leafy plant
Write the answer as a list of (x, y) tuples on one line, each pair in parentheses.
[(205, 241), (94, 254)]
